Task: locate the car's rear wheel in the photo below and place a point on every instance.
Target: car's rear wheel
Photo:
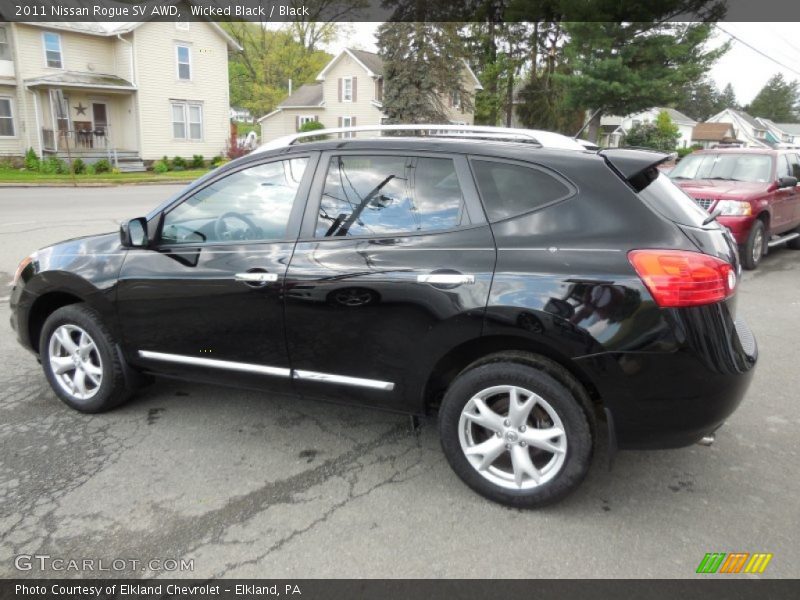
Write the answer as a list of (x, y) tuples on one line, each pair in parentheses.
[(515, 434), (754, 248), (80, 361)]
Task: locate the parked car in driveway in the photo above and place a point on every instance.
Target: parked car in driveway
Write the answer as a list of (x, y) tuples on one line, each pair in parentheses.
[(754, 192), (524, 289)]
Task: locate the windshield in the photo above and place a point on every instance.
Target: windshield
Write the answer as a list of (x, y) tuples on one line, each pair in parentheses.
[(733, 167)]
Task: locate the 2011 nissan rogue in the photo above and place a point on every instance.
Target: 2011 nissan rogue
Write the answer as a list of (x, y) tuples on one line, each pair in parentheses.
[(522, 288)]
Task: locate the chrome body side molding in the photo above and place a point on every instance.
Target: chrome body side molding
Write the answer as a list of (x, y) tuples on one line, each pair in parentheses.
[(198, 361)]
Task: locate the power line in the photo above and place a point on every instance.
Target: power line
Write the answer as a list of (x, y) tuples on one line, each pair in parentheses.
[(754, 49)]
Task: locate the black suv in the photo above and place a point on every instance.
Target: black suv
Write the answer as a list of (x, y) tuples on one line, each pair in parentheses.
[(525, 293)]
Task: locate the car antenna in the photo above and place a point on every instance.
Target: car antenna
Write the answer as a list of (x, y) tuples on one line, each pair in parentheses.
[(585, 125)]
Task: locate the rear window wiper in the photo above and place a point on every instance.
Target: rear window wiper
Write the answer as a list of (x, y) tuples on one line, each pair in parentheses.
[(712, 217)]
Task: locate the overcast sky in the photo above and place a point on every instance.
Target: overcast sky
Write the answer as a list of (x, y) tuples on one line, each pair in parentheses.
[(747, 70)]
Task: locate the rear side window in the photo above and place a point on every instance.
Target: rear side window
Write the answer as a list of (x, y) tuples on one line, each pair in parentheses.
[(381, 195), (673, 203), (509, 190)]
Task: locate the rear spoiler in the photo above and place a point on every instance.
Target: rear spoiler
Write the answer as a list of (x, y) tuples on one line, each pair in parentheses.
[(638, 167)]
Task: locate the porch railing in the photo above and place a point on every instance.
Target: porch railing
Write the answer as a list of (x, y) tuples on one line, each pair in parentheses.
[(79, 140)]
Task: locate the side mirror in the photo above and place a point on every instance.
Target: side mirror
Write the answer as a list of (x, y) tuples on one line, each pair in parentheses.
[(785, 182), (133, 234)]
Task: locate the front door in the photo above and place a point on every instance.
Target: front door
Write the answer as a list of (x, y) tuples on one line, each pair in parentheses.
[(392, 270), (206, 298), (100, 116), (785, 199)]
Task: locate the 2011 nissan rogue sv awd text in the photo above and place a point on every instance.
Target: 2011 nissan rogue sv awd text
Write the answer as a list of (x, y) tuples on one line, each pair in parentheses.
[(519, 289)]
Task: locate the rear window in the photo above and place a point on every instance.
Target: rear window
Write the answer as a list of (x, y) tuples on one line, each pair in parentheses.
[(673, 203), (509, 190)]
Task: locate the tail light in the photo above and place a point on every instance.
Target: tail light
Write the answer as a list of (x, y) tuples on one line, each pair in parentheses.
[(679, 278)]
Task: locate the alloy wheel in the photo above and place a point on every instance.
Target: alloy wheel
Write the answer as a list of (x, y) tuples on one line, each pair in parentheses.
[(75, 362), (512, 437)]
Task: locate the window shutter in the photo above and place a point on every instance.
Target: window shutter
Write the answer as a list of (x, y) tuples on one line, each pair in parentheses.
[(450, 99), (353, 119), (340, 89), (316, 117), (355, 89), (297, 123)]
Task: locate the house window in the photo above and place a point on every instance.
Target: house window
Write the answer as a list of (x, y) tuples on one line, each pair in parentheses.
[(6, 118), (302, 120), (187, 121), (52, 50), (184, 58), (5, 48), (379, 90), (455, 99), (347, 89), (348, 122)]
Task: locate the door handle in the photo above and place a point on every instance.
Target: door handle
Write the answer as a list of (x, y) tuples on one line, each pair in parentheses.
[(256, 277), (446, 278)]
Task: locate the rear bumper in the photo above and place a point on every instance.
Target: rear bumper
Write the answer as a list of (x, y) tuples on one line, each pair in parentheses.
[(673, 399), (739, 226)]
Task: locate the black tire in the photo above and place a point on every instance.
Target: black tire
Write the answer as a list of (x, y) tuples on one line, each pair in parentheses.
[(753, 250), (112, 390), (570, 409)]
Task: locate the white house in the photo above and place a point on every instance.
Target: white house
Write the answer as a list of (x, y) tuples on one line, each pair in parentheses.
[(779, 137), (126, 91), (349, 92), (747, 129), (614, 128)]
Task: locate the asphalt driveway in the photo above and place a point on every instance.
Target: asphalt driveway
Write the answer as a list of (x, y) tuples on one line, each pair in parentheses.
[(247, 484)]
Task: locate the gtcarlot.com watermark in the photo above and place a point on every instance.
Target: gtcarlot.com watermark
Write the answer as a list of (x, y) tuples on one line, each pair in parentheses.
[(45, 562)]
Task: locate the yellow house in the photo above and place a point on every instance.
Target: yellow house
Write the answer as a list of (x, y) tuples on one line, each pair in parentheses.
[(348, 92), (128, 92)]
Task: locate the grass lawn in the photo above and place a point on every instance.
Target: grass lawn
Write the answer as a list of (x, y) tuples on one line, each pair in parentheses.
[(24, 177)]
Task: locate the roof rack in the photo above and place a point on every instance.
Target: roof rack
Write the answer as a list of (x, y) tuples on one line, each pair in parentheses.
[(544, 139)]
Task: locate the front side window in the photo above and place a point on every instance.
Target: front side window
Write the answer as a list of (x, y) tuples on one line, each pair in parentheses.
[(184, 58), (52, 50), (508, 190), (383, 195), (794, 162), (6, 118), (725, 166), (5, 49), (253, 204)]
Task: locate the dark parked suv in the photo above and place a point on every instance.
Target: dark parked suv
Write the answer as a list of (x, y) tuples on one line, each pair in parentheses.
[(520, 290)]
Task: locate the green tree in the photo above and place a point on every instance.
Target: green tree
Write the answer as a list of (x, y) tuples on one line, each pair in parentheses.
[(778, 100), (624, 66), (259, 75), (699, 100), (324, 20), (727, 99), (422, 66), (662, 135)]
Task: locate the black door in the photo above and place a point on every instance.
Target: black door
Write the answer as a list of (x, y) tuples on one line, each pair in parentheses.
[(206, 299), (392, 270)]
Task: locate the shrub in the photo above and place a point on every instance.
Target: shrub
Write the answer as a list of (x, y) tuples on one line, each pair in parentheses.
[(218, 160), (198, 162), (90, 169), (178, 162), (102, 166), (312, 126), (53, 165), (160, 167), (32, 162), (78, 166)]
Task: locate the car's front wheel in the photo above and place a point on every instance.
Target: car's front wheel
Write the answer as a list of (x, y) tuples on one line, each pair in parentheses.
[(79, 360), (756, 245), (515, 434)]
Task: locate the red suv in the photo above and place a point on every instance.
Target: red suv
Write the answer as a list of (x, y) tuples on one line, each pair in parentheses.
[(753, 192)]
